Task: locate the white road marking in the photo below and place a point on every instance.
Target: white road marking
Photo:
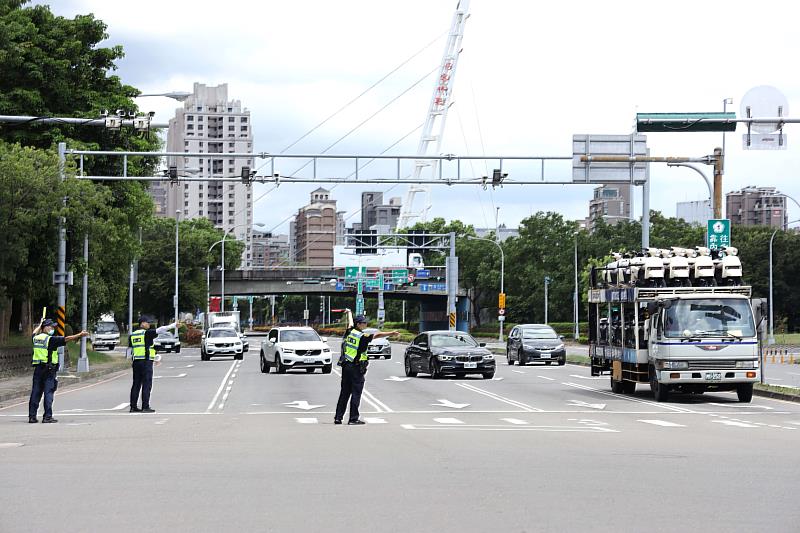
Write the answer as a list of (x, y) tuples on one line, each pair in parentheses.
[(588, 421), (578, 403), (11, 444), (519, 372), (663, 423), (738, 405), (307, 420), (735, 423), (374, 420), (631, 399), (515, 421), (396, 378), (498, 379), (545, 377), (499, 398), (489, 427), (586, 377), (381, 407), (221, 386), (448, 420), (162, 421), (407, 426), (302, 404), (448, 403), (178, 376)]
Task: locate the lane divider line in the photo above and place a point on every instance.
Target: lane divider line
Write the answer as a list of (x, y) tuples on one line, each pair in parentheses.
[(499, 398), (221, 386)]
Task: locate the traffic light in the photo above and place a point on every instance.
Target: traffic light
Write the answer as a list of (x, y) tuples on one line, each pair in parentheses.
[(501, 300), (246, 176)]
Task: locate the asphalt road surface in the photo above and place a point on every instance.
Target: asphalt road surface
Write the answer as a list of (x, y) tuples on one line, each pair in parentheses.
[(539, 448)]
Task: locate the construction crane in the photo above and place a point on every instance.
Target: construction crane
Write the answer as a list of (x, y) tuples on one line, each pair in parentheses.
[(431, 141)]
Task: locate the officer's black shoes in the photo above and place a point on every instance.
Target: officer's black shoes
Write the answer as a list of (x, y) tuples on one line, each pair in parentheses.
[(135, 409), (33, 420), (148, 410), (50, 420), (337, 421), (356, 423)]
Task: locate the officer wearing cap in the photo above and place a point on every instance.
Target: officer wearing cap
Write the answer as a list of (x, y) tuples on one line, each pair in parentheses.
[(143, 355), (45, 366), (354, 362)]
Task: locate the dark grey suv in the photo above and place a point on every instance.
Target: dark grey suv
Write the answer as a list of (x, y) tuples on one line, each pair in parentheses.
[(535, 342)]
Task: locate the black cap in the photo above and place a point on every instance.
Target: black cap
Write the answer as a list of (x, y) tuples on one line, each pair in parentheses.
[(144, 318), (48, 322)]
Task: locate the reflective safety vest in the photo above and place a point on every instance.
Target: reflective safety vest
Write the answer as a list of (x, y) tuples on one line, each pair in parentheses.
[(40, 351), (351, 343), (137, 343)]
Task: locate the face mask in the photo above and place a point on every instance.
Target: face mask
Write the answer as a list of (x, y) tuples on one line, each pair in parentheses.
[(51, 332)]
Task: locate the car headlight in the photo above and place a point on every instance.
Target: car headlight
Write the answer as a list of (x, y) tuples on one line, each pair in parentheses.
[(288, 350), (443, 357), (488, 357), (746, 364), (559, 347), (673, 365)]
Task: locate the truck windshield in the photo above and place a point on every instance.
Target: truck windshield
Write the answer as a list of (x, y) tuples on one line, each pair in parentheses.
[(106, 327), (719, 317)]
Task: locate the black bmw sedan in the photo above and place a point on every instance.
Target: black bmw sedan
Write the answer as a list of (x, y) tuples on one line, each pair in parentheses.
[(448, 352)]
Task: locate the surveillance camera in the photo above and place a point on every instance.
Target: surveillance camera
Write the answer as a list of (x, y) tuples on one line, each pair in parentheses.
[(151, 114)]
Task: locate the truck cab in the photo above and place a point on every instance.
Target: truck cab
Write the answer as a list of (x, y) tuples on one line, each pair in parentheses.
[(105, 333)]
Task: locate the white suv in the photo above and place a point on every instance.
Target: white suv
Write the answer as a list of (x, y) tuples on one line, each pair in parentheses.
[(295, 347)]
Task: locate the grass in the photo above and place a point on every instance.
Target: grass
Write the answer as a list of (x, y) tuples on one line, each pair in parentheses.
[(787, 338), (791, 391)]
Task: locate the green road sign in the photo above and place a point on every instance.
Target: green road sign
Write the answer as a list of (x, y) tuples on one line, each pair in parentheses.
[(373, 283), (718, 233), (351, 273), (399, 276), (683, 122)]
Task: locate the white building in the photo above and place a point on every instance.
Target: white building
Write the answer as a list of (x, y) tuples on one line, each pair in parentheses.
[(211, 124), (695, 213)]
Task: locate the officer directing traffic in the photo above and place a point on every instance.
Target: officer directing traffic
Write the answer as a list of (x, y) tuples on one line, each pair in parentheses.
[(45, 366), (354, 362), (143, 354)]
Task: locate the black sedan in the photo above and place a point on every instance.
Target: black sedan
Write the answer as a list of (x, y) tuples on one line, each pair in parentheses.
[(448, 352), (535, 342)]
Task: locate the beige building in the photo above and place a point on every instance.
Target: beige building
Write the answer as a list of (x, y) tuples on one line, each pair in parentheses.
[(269, 250), (756, 206), (611, 202), (315, 230), (210, 124)]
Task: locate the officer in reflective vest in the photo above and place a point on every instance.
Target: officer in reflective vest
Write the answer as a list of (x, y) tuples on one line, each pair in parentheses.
[(354, 366), (45, 366), (143, 354)]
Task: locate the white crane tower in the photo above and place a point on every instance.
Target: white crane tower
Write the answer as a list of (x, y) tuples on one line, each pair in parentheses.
[(431, 141)]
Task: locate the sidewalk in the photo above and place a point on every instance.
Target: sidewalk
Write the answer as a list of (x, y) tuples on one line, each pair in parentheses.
[(17, 387)]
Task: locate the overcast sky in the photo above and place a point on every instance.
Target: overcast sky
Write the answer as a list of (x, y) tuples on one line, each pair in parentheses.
[(531, 74)]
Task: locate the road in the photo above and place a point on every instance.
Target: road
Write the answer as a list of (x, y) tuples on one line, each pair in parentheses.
[(539, 448)]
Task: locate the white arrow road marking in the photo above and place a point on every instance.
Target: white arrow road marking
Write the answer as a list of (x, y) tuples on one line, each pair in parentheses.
[(307, 420), (587, 377), (663, 423), (448, 420), (178, 376), (448, 403), (738, 405), (578, 403), (515, 421), (374, 420), (734, 423), (302, 404), (396, 378), (117, 408)]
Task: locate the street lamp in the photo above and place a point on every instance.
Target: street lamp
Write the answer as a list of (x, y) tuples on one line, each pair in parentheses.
[(208, 281), (771, 338), (177, 219), (225, 236), (575, 296), (180, 96), (502, 272), (547, 281), (705, 178)]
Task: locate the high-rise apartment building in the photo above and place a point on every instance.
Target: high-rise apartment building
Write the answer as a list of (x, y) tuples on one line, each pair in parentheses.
[(756, 206), (315, 230), (611, 202), (375, 213), (211, 125), (269, 250)]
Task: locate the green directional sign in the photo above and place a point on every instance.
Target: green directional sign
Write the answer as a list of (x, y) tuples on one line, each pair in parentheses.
[(399, 276), (373, 283), (718, 233), (351, 273)]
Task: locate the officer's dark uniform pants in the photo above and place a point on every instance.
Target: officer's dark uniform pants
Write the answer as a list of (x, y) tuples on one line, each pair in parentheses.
[(352, 386), (142, 380), (44, 382)]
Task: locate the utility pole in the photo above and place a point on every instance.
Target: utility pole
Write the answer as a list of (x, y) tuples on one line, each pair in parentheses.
[(452, 282), (719, 165), (83, 360), (546, 285), (61, 272)]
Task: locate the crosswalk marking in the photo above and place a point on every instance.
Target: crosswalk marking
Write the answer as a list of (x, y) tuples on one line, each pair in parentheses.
[(448, 420), (663, 423), (309, 420)]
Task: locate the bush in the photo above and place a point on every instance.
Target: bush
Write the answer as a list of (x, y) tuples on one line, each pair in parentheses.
[(192, 336)]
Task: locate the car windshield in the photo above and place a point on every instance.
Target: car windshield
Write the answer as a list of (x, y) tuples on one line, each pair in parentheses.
[(221, 333), (539, 333), (452, 341), (106, 327), (727, 317), (299, 335), (166, 335)]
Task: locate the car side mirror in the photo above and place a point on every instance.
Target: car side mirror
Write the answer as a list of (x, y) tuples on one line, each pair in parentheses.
[(482, 345), (324, 339), (561, 337), (423, 345)]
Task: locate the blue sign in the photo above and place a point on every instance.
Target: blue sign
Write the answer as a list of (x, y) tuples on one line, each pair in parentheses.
[(339, 286), (423, 273), (388, 286)]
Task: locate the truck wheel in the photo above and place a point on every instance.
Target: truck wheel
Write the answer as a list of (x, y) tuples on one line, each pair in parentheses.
[(660, 391), (628, 387), (745, 392), (616, 386)]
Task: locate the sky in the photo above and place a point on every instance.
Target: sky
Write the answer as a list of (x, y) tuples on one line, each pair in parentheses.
[(530, 76)]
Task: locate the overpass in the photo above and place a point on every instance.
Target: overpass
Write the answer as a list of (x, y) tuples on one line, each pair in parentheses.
[(430, 291)]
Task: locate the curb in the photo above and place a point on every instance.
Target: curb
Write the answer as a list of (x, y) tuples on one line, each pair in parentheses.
[(64, 384)]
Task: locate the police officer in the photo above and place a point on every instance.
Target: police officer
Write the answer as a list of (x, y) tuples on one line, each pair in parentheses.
[(45, 366), (354, 366), (143, 355)]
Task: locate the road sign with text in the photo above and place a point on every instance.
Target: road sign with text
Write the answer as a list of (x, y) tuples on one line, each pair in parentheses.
[(718, 234)]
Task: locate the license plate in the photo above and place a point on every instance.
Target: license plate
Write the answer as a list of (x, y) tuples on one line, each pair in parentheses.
[(545, 356), (470, 365), (307, 361), (713, 376)]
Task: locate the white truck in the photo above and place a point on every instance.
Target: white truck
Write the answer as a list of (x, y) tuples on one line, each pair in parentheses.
[(686, 339), (105, 333)]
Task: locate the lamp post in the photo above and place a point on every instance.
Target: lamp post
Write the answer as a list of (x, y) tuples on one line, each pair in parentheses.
[(208, 280), (177, 220), (705, 178), (225, 236), (575, 296), (502, 273), (547, 281), (771, 338)]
